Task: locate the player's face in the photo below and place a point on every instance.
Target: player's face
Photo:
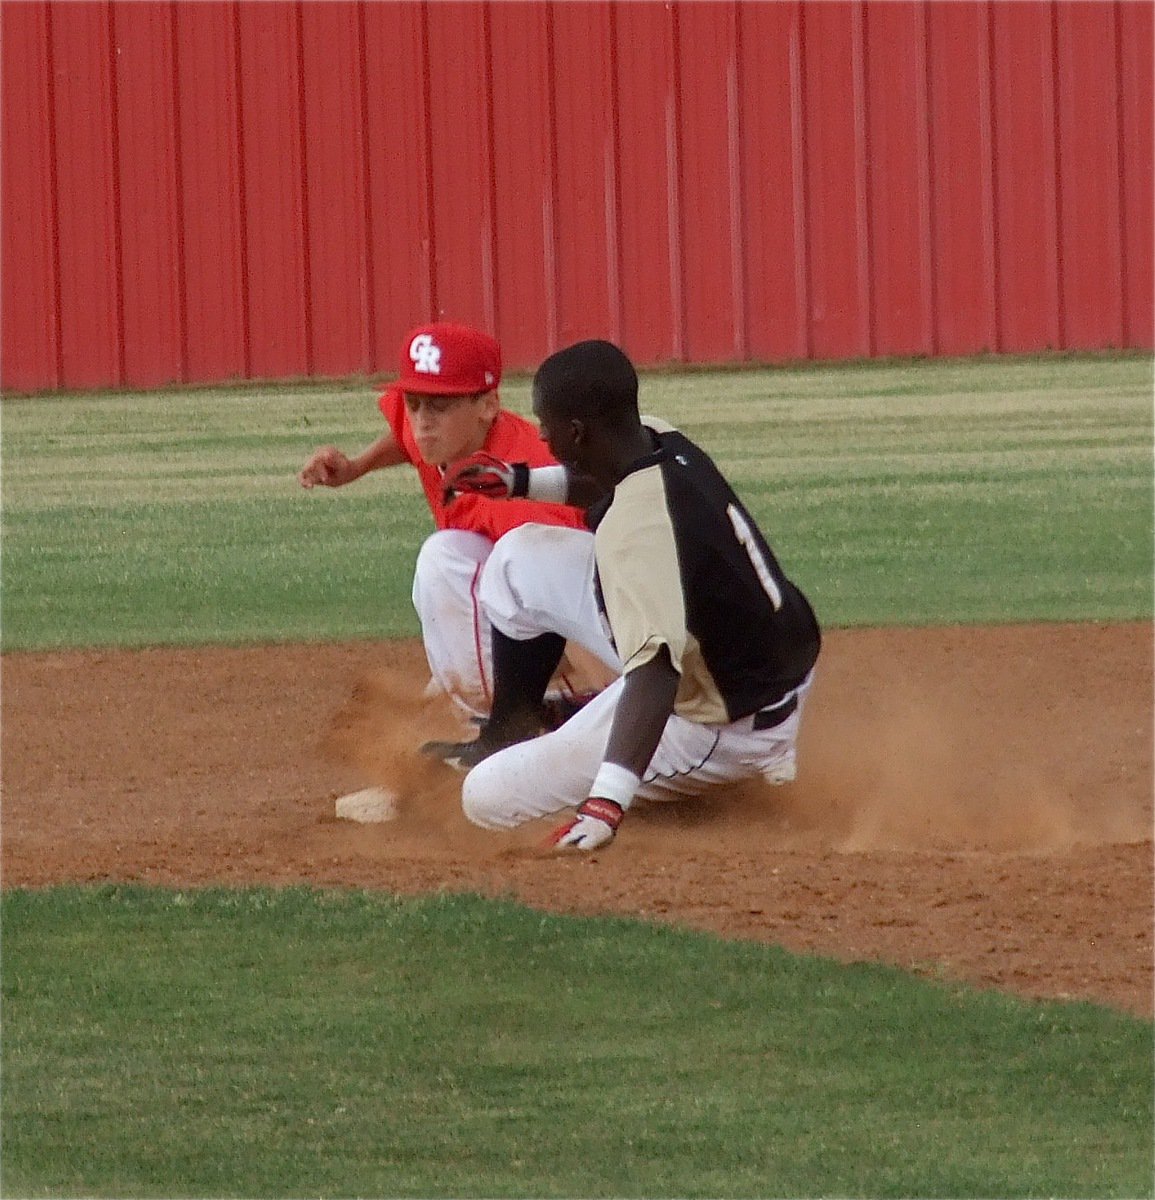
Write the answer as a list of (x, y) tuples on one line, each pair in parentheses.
[(447, 428), (557, 432)]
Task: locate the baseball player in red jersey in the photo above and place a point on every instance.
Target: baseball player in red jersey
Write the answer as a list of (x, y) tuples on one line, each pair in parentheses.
[(444, 407), (717, 645)]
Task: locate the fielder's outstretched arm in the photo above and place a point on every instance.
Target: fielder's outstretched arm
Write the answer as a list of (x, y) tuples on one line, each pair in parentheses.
[(330, 467)]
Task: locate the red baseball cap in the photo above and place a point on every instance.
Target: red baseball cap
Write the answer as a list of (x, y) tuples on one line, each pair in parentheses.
[(444, 359)]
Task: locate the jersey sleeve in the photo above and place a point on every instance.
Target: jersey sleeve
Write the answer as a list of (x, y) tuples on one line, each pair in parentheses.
[(392, 405), (638, 572)]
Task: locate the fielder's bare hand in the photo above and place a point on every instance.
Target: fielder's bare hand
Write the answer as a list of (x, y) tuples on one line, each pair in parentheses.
[(594, 826), (327, 467)]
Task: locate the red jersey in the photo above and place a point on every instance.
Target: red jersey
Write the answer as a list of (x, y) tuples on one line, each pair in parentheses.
[(512, 439)]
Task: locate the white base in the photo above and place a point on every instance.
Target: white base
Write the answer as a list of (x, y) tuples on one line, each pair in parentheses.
[(368, 806)]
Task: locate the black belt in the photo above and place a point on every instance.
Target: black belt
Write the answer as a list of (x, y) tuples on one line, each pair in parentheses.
[(768, 718)]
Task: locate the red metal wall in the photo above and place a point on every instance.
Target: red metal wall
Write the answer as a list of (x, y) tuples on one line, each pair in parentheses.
[(217, 190)]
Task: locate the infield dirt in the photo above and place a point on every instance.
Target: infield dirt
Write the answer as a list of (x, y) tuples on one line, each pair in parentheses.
[(973, 803)]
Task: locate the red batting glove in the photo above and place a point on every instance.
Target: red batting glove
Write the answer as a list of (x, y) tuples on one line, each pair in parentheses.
[(482, 474), (594, 825)]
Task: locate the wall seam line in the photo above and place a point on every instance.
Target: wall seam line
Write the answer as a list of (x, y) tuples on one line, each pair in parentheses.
[(613, 186), (868, 324), (1060, 319), (427, 148), (800, 163), (242, 197), (117, 202), (1124, 323), (54, 202), (307, 288), (997, 318), (491, 249), (674, 187), (368, 273), (738, 232), (178, 182), (550, 201), (928, 323)]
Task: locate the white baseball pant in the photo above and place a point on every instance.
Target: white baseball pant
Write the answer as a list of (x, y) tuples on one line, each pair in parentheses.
[(538, 579), (555, 771), (534, 579), (453, 627)]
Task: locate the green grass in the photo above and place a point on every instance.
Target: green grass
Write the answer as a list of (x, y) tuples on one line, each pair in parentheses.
[(914, 493), (296, 1043), (269, 1043)]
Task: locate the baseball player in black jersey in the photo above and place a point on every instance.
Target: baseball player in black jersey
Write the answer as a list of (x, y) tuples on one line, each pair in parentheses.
[(716, 645)]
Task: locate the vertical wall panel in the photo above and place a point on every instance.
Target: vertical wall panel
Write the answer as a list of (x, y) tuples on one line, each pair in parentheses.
[(400, 221), (898, 178), (1136, 36), (962, 179), (712, 200), (1029, 301), (838, 250), (774, 183), (89, 248), (586, 187), (270, 188), (648, 172), (340, 309), (150, 216), (462, 163), (212, 240), (522, 177), (30, 350), (276, 231), (1089, 221)]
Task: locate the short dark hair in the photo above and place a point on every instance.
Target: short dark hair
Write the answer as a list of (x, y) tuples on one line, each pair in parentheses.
[(589, 379)]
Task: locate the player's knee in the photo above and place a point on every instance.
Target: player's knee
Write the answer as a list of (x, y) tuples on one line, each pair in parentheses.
[(512, 552), (481, 798), (511, 586)]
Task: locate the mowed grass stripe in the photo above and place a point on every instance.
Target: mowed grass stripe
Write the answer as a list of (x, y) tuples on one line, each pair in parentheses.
[(176, 517)]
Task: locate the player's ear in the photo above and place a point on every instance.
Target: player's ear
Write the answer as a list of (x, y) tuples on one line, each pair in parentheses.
[(490, 403), (577, 429)]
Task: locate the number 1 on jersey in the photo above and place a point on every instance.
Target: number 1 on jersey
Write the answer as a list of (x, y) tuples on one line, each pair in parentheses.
[(745, 535)]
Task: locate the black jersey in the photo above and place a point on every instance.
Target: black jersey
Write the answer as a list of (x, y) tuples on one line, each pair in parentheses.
[(681, 564)]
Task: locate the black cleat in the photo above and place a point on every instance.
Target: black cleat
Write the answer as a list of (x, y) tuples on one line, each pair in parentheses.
[(461, 756), (464, 756)]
